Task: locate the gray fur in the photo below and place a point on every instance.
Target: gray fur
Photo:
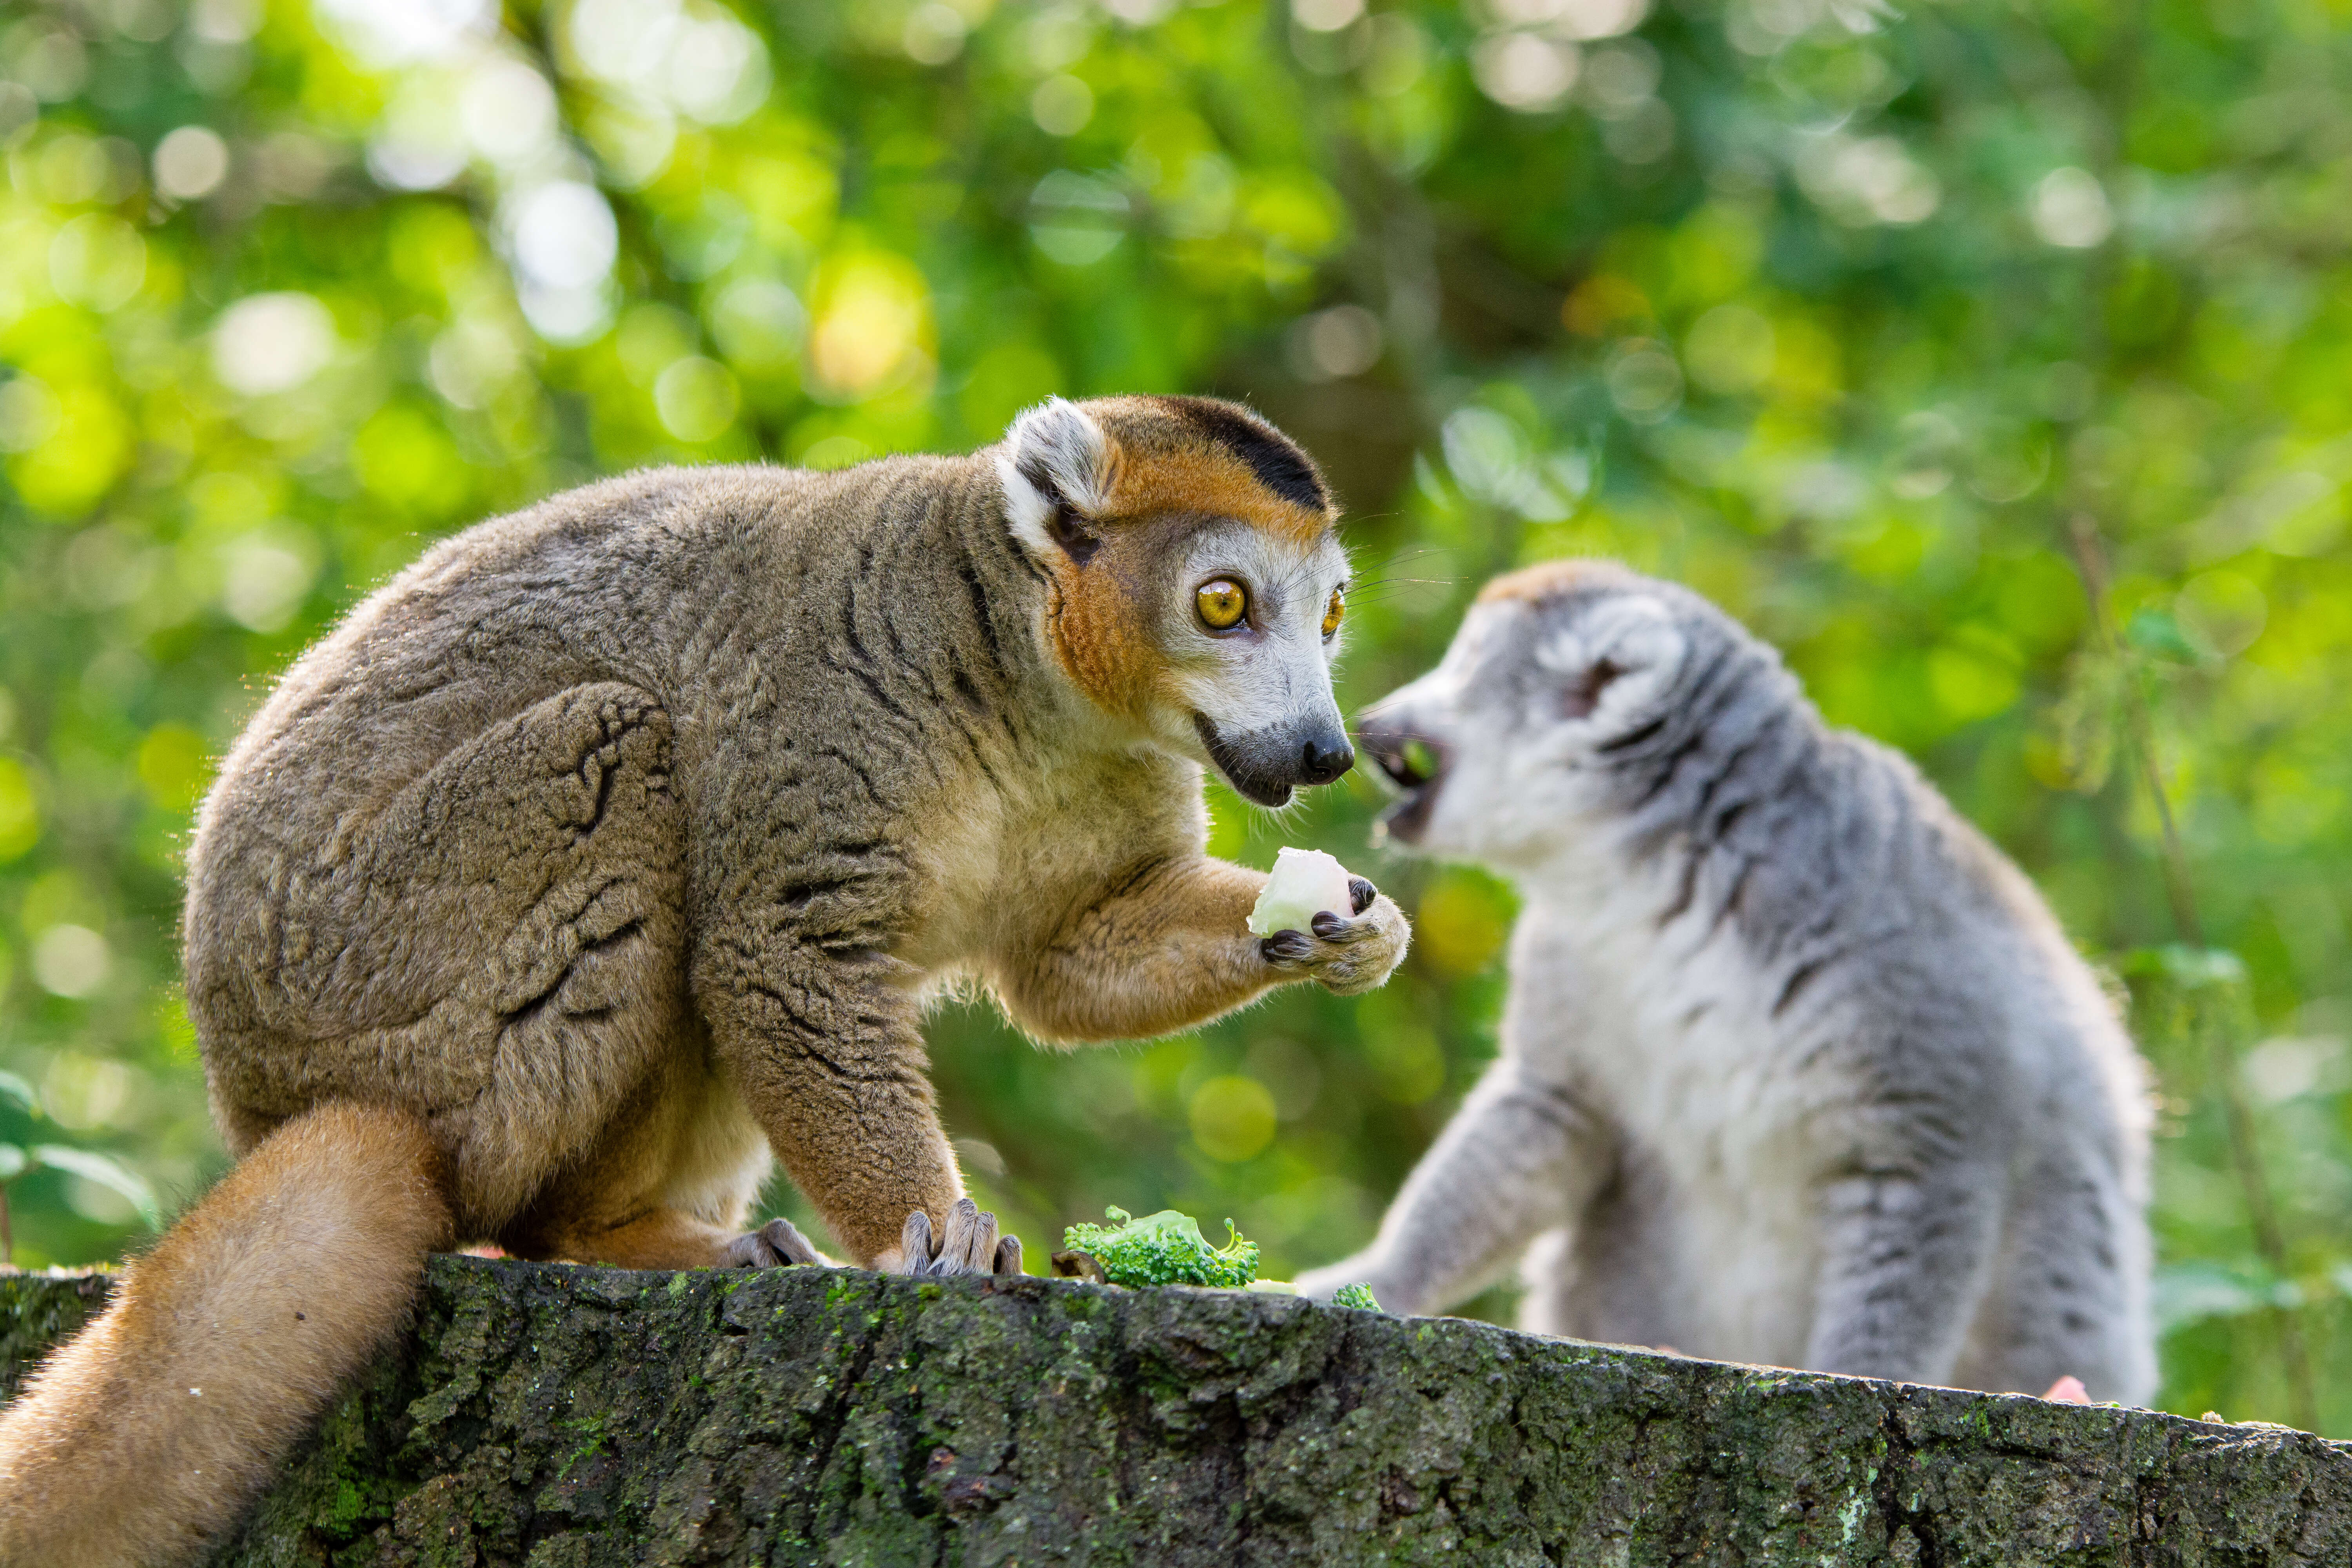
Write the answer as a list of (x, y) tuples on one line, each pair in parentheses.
[(1796, 1066)]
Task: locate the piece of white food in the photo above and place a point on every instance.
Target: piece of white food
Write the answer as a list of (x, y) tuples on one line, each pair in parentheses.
[(1305, 883)]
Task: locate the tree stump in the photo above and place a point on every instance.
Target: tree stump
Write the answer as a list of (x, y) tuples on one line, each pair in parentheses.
[(560, 1418)]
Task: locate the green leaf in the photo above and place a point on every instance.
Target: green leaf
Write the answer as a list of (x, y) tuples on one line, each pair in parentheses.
[(13, 1161), (2154, 632), (17, 1089), (2189, 968), (2190, 1293), (92, 1166)]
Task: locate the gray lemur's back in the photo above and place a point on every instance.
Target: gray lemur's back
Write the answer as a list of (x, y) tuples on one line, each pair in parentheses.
[(1796, 1068)]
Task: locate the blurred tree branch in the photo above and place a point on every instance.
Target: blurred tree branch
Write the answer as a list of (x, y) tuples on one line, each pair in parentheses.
[(2217, 1034)]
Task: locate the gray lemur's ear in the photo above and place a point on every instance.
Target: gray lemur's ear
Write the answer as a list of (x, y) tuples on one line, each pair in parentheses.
[(1055, 470), (1623, 651)]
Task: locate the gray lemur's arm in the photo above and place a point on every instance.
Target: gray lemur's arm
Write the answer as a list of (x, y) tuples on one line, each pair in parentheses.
[(1522, 1156), (1907, 1236)]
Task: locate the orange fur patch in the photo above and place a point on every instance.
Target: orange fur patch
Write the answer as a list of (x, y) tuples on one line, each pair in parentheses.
[(1155, 467), (1156, 462), (1549, 579), (1207, 479), (1095, 617)]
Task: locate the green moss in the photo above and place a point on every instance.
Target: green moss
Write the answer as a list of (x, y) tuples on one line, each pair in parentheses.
[(591, 1429), (343, 1513), (863, 1419)]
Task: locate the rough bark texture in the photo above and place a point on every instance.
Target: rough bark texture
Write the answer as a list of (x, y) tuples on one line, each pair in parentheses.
[(561, 1417)]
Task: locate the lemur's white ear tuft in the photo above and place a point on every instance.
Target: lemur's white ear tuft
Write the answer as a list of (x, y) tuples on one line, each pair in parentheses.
[(1053, 455)]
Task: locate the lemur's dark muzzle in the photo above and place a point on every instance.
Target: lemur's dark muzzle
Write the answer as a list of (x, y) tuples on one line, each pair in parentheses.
[(1265, 766), (1323, 758), (1414, 762)]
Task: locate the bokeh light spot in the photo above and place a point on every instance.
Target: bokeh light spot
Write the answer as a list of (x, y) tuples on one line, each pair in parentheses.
[(1233, 1117)]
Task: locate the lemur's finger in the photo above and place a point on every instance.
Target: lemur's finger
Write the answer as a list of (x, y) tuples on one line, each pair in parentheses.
[(1361, 892), (915, 1244), (1008, 1256), (1288, 947), (1331, 928)]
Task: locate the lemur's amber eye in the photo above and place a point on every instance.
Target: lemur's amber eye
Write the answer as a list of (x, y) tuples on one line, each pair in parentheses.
[(1333, 611), (1221, 603)]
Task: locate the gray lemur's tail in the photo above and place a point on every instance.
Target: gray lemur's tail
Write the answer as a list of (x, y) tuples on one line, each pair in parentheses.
[(140, 1442)]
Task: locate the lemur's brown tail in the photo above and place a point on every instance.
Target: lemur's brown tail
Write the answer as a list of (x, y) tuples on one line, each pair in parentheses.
[(142, 1441)]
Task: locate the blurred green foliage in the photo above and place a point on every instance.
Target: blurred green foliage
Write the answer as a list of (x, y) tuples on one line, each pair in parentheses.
[(1842, 314)]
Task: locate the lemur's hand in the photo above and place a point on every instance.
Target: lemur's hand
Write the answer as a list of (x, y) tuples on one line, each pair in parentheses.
[(1345, 956), (971, 1246), (775, 1245)]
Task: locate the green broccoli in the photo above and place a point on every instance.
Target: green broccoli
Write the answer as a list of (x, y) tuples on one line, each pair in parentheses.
[(1163, 1249), (1356, 1296)]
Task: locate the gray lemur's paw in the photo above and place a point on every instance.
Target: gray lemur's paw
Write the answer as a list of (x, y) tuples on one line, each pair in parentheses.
[(970, 1246), (1345, 956), (775, 1245)]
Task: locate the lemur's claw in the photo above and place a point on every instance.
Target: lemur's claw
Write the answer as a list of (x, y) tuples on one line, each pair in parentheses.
[(1361, 893), (778, 1244), (971, 1245)]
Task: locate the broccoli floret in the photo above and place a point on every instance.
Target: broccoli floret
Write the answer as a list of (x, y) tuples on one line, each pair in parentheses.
[(1163, 1249), (1356, 1296)]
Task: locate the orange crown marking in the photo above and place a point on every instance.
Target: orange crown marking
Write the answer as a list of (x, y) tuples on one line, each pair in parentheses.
[(1205, 480)]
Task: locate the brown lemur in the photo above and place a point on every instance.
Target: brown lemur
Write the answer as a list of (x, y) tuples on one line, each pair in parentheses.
[(621, 842)]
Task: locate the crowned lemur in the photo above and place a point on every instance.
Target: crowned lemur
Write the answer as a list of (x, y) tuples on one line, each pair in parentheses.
[(1796, 1068), (622, 842)]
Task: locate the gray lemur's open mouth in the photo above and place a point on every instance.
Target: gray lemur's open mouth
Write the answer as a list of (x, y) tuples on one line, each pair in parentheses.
[(1265, 766), (1416, 765)]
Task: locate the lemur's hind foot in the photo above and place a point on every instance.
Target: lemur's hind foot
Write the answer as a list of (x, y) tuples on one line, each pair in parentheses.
[(142, 1441)]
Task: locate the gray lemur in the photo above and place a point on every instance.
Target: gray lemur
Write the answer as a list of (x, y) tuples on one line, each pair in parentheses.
[(621, 844), (1796, 1068)]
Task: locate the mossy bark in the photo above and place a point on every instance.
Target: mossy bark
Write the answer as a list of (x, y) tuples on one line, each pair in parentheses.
[(562, 1417)]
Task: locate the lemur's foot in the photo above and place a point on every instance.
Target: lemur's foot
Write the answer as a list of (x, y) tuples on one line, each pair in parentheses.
[(1345, 956), (775, 1245), (970, 1246)]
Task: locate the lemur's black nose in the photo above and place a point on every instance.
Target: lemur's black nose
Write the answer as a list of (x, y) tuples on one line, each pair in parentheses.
[(1320, 761)]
